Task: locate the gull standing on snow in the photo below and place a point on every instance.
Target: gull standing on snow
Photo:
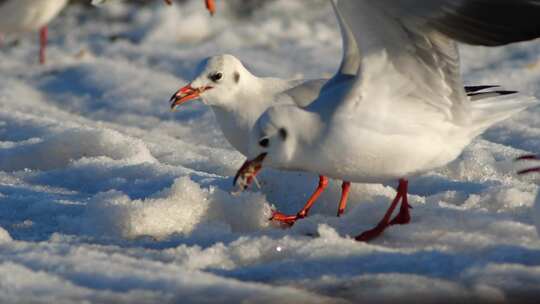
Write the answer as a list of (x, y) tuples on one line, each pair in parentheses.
[(17, 16), (238, 98), (406, 111)]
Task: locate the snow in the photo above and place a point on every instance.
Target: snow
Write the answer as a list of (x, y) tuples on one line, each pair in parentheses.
[(107, 196)]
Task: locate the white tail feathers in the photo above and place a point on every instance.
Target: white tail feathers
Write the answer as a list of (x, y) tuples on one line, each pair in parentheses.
[(489, 111)]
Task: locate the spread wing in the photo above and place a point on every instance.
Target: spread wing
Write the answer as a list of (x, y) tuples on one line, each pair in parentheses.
[(409, 50), (350, 61)]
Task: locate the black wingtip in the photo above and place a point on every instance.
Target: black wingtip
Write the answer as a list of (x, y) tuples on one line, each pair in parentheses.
[(482, 95), (472, 89)]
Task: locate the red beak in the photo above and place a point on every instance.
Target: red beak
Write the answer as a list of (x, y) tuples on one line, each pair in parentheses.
[(528, 157), (185, 94), (249, 170)]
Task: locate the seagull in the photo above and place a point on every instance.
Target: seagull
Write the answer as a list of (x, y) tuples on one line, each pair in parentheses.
[(406, 111), (17, 16), (238, 98)]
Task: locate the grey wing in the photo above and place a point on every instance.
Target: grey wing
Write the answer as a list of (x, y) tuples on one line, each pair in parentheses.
[(410, 44), (350, 60), (306, 92)]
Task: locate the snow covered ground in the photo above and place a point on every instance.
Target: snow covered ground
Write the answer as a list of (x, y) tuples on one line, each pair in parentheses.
[(107, 196)]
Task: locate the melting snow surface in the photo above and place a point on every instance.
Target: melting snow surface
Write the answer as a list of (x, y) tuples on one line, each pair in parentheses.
[(106, 196)]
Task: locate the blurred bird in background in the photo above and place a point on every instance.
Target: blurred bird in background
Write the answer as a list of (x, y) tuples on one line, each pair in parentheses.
[(19, 16)]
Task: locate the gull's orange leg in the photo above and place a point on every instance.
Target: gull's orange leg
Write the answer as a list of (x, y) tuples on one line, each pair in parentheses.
[(345, 187), (291, 219), (401, 195)]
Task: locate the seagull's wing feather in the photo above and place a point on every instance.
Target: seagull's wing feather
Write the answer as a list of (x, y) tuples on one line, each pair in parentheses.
[(304, 93), (351, 55), (478, 22), (350, 59), (408, 48)]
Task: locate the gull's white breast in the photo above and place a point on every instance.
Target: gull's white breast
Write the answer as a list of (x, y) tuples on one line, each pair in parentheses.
[(28, 15), (369, 149)]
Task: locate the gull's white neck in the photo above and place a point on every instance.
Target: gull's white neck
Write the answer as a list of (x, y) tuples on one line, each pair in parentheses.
[(236, 114)]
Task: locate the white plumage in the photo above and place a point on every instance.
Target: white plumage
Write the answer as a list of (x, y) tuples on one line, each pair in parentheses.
[(18, 16), (406, 112), (238, 98)]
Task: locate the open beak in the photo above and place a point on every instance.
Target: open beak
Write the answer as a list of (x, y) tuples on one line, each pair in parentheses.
[(185, 94), (249, 170), (529, 170), (211, 6)]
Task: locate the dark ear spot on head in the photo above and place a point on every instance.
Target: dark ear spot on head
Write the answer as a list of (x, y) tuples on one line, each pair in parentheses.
[(283, 133), (236, 77)]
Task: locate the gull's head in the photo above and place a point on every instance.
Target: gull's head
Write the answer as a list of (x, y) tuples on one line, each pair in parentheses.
[(273, 142), (218, 80)]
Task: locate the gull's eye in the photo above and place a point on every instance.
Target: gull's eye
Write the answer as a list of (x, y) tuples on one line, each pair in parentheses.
[(265, 142), (216, 77)]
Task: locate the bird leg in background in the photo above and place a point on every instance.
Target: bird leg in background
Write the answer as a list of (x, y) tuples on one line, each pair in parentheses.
[(529, 170), (401, 195), (345, 187), (43, 36), (211, 6), (291, 219)]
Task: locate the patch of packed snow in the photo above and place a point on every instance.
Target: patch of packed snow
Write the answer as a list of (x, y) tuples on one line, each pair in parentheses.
[(107, 196)]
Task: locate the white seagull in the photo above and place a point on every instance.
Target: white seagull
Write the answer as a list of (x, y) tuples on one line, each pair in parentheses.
[(406, 111), (238, 98), (17, 16)]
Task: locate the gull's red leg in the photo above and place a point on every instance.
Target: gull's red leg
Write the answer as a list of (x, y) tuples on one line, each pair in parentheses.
[(369, 235), (528, 157), (404, 216), (530, 170), (345, 187), (211, 6), (291, 219), (43, 36)]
